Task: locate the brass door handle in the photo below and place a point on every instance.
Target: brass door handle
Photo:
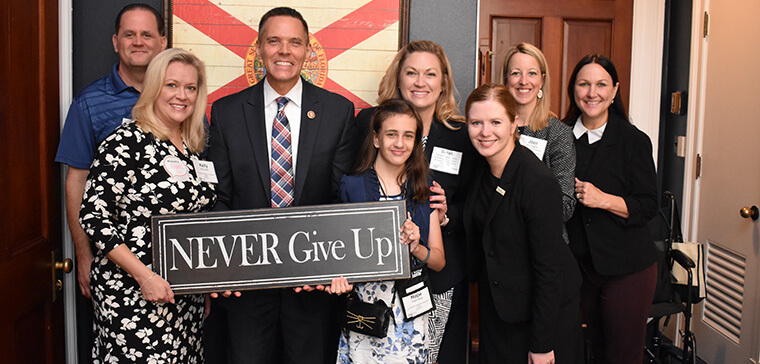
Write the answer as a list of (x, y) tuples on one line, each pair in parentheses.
[(66, 266), (749, 212)]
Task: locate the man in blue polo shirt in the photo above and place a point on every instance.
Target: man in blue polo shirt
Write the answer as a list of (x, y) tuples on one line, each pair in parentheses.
[(95, 112), (99, 109)]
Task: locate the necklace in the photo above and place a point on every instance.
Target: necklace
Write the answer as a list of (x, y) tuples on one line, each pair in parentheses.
[(383, 185), (380, 179)]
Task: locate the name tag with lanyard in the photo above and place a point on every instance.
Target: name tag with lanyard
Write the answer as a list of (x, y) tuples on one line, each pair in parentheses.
[(415, 294)]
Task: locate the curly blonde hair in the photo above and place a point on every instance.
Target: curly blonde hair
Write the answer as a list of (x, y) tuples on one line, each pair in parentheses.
[(446, 109)]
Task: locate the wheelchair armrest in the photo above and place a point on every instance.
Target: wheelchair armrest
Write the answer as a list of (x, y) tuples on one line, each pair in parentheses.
[(682, 259)]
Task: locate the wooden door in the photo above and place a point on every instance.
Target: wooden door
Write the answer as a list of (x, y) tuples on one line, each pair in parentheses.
[(30, 211), (727, 326), (565, 31)]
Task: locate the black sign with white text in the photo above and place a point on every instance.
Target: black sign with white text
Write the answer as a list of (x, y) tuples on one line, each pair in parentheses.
[(283, 247)]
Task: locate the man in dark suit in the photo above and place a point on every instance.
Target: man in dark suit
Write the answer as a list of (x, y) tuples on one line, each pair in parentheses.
[(282, 142)]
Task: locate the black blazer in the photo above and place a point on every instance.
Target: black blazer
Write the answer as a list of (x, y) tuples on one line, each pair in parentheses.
[(520, 252), (456, 187), (622, 165), (238, 147)]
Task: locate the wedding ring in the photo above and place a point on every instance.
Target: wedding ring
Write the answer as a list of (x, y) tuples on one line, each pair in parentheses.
[(578, 195)]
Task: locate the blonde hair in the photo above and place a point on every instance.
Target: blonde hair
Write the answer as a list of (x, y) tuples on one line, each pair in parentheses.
[(193, 131), (446, 105), (539, 118)]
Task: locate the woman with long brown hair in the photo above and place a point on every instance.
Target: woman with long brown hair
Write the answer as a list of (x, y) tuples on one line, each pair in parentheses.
[(421, 74), (391, 166)]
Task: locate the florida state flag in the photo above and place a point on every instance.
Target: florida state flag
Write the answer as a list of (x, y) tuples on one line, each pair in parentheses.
[(353, 42)]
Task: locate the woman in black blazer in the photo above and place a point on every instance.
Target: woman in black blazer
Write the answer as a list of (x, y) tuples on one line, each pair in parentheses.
[(528, 281), (617, 196)]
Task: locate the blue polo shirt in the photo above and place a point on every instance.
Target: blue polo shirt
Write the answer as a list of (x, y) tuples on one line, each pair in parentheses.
[(95, 112)]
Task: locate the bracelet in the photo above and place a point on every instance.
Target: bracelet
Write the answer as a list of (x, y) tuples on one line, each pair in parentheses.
[(154, 274), (428, 255), (445, 220)]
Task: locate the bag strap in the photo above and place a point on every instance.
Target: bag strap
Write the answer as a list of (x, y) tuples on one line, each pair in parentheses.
[(676, 235), (355, 296)]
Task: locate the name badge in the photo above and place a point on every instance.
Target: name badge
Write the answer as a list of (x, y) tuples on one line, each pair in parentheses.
[(445, 160), (416, 298), (536, 145), (176, 168), (205, 171)]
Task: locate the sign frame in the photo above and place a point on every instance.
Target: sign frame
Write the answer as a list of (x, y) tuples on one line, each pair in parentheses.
[(193, 243)]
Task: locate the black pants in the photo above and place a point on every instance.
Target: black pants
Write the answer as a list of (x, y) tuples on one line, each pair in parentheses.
[(272, 326), (502, 342), (455, 337), (85, 333)]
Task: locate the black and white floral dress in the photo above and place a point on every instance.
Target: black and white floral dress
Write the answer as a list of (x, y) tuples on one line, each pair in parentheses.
[(129, 181)]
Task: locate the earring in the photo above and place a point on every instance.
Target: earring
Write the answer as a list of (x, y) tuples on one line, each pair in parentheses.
[(613, 101), (540, 93)]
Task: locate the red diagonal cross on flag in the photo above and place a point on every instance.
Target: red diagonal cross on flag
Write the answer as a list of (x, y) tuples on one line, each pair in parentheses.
[(328, 43)]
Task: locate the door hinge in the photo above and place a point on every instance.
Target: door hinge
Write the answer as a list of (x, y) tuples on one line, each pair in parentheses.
[(705, 25), (699, 166)]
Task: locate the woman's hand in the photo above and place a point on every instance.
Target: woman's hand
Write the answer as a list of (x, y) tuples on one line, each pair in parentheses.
[(410, 233), (438, 202), (308, 288), (157, 290), (339, 286), (545, 358), (225, 294), (591, 196), (207, 308), (588, 194)]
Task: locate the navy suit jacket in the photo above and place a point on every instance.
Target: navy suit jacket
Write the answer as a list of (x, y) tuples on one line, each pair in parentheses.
[(238, 147)]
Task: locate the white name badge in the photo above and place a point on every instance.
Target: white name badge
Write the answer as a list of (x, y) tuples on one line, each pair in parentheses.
[(176, 168), (536, 145), (445, 160), (205, 171), (417, 302)]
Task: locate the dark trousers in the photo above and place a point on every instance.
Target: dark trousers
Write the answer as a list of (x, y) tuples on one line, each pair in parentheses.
[(252, 329), (84, 318), (502, 342), (615, 310), (454, 345)]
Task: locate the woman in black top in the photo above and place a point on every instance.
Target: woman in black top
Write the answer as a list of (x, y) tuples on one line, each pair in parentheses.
[(528, 281), (421, 74), (616, 192)]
